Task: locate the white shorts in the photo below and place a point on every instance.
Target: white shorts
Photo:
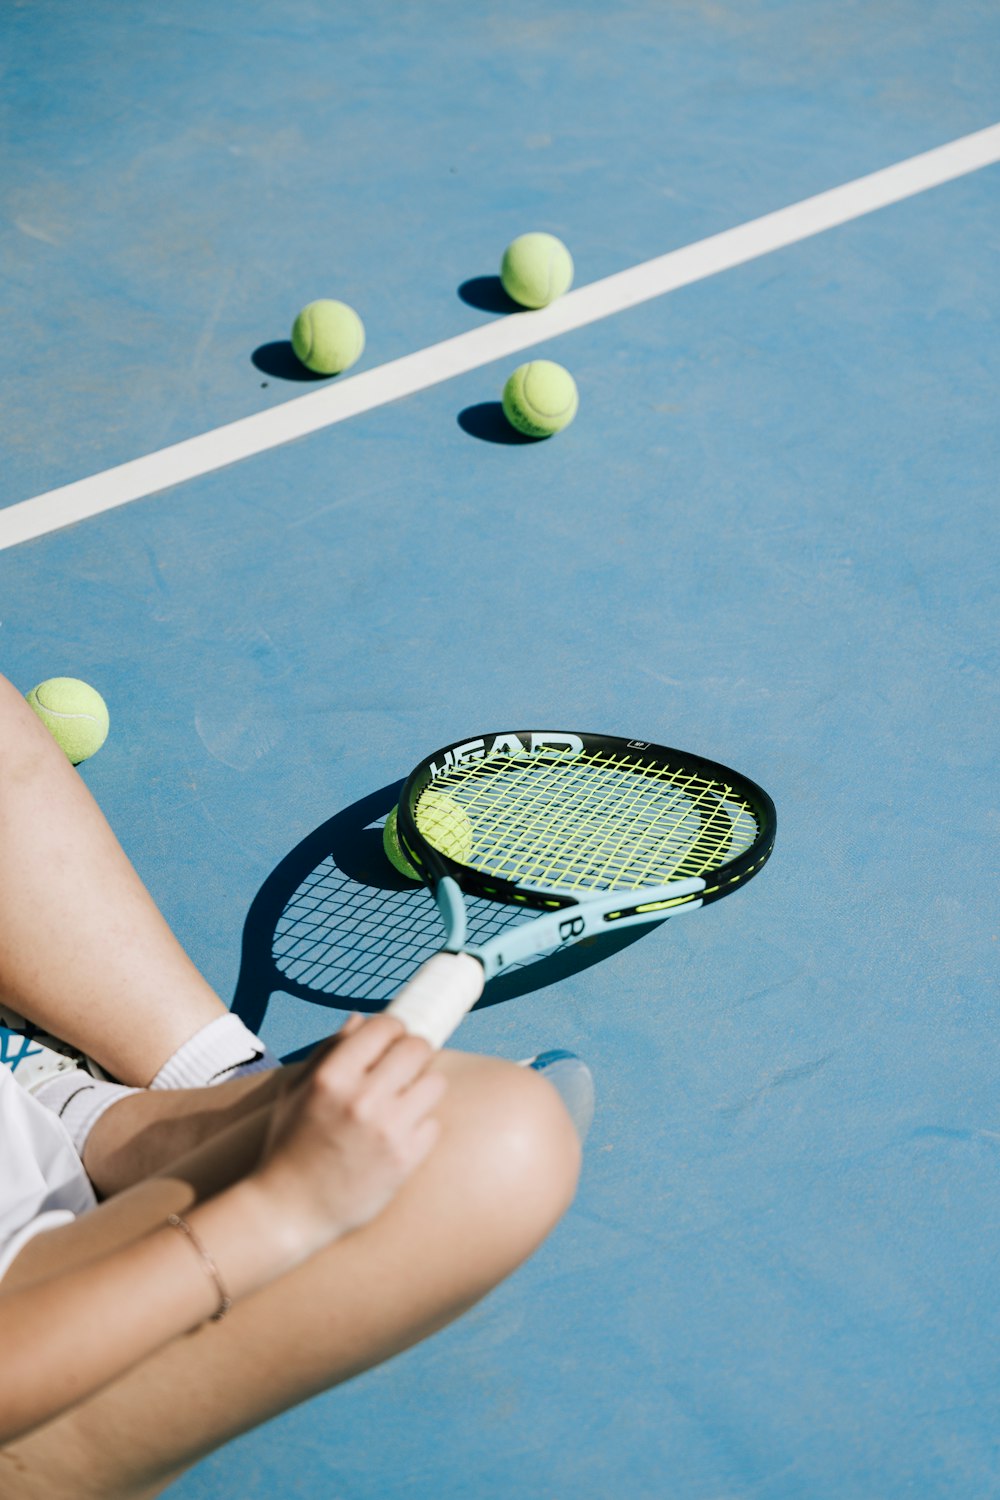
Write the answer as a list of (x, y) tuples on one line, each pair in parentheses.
[(42, 1181)]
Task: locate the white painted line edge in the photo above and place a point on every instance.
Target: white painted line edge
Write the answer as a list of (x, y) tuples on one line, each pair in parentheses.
[(28, 519)]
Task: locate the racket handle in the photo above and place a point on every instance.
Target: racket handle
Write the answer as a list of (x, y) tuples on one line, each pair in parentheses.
[(441, 992)]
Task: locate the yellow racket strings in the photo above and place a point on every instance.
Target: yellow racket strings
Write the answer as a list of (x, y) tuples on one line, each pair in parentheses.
[(596, 820)]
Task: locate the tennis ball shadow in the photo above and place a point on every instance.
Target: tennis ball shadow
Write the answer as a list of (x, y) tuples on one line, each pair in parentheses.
[(334, 924), (488, 423), (487, 293), (280, 361)]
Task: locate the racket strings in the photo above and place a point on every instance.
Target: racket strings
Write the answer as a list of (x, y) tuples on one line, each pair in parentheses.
[(595, 821), (552, 813), (550, 825)]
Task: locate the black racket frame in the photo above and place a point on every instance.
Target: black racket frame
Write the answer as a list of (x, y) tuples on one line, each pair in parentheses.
[(433, 865)]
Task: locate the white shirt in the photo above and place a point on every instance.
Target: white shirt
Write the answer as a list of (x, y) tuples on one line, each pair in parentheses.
[(42, 1181)]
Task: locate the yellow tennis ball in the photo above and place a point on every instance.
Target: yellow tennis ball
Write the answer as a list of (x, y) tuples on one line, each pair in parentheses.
[(394, 849), (328, 337), (540, 398), (74, 713), (445, 825), (536, 269)]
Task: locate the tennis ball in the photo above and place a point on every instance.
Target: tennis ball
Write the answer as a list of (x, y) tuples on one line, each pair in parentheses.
[(394, 849), (328, 337), (536, 269), (74, 713), (540, 398), (445, 825)]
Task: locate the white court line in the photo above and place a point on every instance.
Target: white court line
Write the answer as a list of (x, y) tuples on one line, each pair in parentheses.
[(505, 336)]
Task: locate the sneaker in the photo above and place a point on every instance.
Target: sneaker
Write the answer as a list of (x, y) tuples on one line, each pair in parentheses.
[(572, 1080), (34, 1056)]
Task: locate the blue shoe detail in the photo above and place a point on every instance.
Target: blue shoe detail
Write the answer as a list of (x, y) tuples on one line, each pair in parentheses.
[(546, 1059), (16, 1048), (33, 1056), (572, 1080)]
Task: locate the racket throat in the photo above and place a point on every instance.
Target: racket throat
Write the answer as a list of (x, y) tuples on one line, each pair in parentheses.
[(450, 904)]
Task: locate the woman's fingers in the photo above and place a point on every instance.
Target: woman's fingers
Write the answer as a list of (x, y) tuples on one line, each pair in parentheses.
[(420, 1098), (365, 1043), (424, 1139), (378, 1055), (400, 1066)]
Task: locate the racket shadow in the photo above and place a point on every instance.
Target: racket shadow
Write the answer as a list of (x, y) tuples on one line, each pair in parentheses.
[(335, 925)]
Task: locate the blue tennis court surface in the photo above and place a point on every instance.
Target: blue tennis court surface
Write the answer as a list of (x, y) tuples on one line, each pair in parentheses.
[(769, 538)]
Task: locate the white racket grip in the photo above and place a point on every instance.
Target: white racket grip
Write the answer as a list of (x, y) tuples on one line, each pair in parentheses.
[(441, 992)]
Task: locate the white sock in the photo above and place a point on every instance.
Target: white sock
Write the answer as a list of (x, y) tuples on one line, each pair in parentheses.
[(223, 1049), (79, 1101)]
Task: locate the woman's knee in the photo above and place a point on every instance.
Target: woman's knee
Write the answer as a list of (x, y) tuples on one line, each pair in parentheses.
[(12, 707), (515, 1134), (23, 740)]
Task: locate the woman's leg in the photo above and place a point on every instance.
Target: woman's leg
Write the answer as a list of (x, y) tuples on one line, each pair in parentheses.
[(502, 1173), (144, 1133), (84, 952)]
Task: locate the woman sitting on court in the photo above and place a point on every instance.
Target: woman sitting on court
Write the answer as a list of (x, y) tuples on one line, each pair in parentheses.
[(307, 1221)]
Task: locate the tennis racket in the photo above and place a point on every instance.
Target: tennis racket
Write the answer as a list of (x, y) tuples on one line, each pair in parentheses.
[(598, 834), (335, 926)]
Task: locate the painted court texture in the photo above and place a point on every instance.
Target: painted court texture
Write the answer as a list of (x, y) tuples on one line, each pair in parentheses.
[(768, 537)]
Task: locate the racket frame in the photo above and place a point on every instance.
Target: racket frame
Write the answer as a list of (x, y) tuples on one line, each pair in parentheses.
[(434, 866), (578, 919)]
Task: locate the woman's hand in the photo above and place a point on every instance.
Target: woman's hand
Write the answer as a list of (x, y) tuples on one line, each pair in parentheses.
[(351, 1129)]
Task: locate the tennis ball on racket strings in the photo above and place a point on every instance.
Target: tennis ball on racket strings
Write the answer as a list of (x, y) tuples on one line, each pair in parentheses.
[(328, 337), (394, 849), (540, 398), (445, 825), (74, 713), (442, 823), (536, 269)]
